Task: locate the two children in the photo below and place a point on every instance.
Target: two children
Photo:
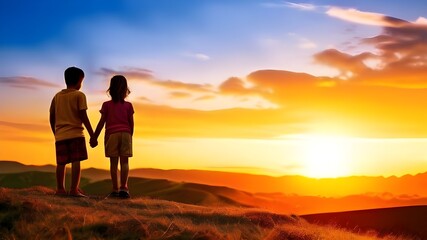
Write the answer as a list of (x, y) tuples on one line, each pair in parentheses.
[(68, 114)]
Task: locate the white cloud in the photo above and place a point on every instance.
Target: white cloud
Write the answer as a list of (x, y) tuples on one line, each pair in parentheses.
[(299, 6), (367, 18), (197, 56), (303, 43), (302, 6), (421, 20), (306, 44), (202, 56)]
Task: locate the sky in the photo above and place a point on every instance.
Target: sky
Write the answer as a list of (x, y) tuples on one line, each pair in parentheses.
[(316, 88)]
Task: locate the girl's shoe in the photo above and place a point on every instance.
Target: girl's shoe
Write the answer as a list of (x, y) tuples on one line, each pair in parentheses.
[(114, 194), (124, 193)]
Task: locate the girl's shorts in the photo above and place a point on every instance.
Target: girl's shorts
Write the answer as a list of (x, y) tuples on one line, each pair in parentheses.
[(118, 144), (70, 150)]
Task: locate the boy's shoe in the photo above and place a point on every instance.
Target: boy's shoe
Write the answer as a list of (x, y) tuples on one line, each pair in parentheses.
[(124, 193), (78, 193)]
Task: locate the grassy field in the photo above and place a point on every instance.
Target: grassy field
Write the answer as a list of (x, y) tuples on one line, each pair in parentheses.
[(35, 213)]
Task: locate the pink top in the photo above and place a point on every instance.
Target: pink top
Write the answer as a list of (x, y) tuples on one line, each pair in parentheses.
[(118, 117)]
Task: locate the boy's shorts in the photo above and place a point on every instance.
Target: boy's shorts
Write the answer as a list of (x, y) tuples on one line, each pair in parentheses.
[(70, 150), (118, 144)]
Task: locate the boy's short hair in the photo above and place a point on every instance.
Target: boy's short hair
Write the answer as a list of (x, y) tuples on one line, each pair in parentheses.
[(73, 75)]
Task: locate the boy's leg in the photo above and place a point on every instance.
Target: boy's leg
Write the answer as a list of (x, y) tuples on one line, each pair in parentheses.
[(124, 172), (114, 161), (60, 179), (75, 177)]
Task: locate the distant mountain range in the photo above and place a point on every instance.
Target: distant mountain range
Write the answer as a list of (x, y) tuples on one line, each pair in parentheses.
[(407, 186), (214, 191)]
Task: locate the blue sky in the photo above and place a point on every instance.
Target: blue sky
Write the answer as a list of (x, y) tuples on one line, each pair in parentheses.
[(185, 40), (190, 41)]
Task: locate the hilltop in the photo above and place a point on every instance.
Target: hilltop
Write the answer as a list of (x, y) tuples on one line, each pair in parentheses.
[(36, 213)]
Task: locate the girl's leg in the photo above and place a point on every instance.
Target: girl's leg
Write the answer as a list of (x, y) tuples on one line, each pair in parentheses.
[(124, 172), (75, 177), (60, 179), (114, 161)]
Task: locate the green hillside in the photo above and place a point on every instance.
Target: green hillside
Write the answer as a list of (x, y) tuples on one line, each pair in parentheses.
[(34, 178), (189, 193)]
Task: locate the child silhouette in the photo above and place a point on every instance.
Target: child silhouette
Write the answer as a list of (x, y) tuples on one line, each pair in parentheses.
[(67, 114), (117, 115)]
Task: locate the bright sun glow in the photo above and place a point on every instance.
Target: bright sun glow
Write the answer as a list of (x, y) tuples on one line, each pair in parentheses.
[(325, 156)]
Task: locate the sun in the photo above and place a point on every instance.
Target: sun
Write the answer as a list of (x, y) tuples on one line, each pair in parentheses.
[(325, 156)]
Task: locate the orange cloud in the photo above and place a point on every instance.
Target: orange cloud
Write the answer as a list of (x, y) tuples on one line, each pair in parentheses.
[(13, 131), (332, 104), (26, 82), (179, 94), (130, 73), (347, 64), (147, 76), (26, 126), (401, 51), (181, 85), (204, 97), (165, 121), (235, 85)]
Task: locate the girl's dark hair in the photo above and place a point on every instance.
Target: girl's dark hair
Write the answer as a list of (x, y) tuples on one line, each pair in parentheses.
[(118, 89)]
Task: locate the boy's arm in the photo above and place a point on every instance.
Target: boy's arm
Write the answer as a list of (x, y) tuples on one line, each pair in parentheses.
[(86, 122), (52, 121), (52, 116)]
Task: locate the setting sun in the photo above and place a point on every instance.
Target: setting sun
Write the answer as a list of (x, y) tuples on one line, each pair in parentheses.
[(325, 156)]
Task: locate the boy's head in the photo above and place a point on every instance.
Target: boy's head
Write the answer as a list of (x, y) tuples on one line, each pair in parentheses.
[(73, 76)]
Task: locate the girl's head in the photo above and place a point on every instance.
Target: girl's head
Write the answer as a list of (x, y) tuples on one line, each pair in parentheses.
[(118, 89)]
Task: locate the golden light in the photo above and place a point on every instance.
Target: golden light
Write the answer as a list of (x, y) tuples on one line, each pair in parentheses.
[(325, 156)]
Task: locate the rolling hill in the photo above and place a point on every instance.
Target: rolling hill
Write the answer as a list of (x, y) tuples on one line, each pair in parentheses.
[(408, 186), (410, 221), (215, 196), (35, 213)]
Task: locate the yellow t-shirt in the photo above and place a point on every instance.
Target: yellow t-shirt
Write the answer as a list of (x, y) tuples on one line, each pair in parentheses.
[(66, 105)]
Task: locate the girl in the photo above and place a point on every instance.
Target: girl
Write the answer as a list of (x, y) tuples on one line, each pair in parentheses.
[(117, 115)]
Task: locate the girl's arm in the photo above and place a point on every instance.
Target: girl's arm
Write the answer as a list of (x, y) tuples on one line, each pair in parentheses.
[(99, 126), (130, 119), (131, 124)]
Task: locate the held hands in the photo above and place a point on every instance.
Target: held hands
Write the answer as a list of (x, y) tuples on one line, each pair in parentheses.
[(93, 142)]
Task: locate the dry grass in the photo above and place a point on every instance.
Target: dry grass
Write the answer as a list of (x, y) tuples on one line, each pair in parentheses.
[(35, 213)]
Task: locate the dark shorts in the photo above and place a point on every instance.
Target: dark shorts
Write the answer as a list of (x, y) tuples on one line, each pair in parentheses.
[(70, 150)]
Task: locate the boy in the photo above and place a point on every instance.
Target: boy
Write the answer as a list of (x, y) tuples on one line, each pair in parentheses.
[(67, 114)]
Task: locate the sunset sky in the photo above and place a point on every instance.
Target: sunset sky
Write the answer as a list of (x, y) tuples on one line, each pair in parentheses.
[(318, 88)]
